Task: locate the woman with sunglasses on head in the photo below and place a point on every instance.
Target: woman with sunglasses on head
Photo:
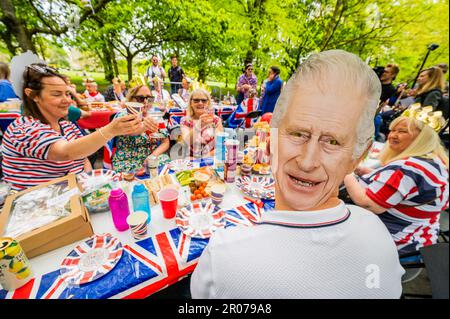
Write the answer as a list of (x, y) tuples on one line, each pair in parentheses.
[(199, 126), (131, 151), (246, 82), (40, 145)]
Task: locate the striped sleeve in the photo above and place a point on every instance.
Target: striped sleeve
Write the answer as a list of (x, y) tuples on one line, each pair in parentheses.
[(33, 141), (391, 186)]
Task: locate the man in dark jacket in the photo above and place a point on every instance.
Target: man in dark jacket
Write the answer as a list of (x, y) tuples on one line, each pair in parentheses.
[(176, 74), (272, 90), (387, 88)]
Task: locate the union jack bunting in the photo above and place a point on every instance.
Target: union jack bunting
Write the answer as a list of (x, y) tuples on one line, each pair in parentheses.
[(225, 112), (149, 266), (8, 118), (175, 116), (108, 151)]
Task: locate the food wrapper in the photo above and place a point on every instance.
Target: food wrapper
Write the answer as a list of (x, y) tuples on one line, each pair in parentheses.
[(96, 200), (39, 208)]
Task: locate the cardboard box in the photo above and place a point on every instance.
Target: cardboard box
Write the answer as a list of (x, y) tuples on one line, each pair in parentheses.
[(59, 233)]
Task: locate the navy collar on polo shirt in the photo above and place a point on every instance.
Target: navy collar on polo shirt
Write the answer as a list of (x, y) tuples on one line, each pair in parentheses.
[(307, 219)]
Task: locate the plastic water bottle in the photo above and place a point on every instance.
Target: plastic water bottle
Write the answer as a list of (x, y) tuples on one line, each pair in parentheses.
[(118, 204), (141, 200)]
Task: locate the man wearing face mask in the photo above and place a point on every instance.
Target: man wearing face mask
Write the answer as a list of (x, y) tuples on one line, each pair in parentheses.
[(312, 245)]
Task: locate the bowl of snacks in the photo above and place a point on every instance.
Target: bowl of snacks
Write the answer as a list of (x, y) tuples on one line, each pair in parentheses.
[(198, 191), (97, 200), (201, 178)]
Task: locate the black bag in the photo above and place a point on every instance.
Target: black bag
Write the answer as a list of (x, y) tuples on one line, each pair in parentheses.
[(443, 106)]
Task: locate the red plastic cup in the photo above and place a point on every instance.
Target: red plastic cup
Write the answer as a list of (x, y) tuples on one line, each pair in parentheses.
[(161, 125), (169, 202)]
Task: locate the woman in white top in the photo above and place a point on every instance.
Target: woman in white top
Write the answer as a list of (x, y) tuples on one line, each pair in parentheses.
[(184, 91), (161, 95)]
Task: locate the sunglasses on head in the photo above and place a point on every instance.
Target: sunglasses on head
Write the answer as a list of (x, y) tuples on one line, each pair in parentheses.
[(200, 100), (143, 98), (44, 69)]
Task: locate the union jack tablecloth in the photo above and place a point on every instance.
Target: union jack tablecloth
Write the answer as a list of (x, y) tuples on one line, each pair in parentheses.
[(148, 266)]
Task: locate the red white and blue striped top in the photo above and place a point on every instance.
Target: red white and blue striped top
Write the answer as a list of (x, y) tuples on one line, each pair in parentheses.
[(414, 191), (25, 148)]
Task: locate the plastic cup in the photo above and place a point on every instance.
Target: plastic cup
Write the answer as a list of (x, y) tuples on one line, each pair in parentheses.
[(138, 224), (246, 169), (129, 175), (217, 193), (169, 202)]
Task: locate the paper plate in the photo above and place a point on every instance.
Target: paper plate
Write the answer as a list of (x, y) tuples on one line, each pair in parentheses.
[(98, 177), (91, 260), (200, 219), (180, 165), (262, 187)]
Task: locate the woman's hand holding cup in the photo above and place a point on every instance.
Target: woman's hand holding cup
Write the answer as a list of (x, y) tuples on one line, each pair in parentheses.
[(206, 119), (125, 125), (150, 125)]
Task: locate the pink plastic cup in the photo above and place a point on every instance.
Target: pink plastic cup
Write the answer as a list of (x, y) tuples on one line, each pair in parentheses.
[(169, 202)]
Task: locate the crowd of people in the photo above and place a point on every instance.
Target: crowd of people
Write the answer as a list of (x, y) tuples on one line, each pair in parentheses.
[(323, 125)]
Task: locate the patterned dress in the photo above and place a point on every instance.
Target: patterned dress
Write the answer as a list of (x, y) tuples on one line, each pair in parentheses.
[(204, 140), (131, 151), (252, 81)]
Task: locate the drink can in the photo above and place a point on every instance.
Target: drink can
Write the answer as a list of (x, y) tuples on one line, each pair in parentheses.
[(15, 268), (230, 172)]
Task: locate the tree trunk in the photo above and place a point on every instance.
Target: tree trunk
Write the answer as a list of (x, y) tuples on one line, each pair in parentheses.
[(16, 27), (129, 66), (113, 57), (7, 38), (256, 14), (202, 74), (109, 73)]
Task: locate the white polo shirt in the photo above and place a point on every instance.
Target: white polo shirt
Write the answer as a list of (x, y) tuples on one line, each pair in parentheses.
[(341, 252)]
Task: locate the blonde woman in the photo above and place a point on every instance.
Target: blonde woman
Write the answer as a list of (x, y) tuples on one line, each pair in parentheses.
[(431, 85), (410, 189), (200, 125)]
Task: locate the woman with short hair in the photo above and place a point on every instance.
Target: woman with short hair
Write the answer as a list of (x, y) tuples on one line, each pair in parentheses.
[(272, 90), (6, 88), (410, 189)]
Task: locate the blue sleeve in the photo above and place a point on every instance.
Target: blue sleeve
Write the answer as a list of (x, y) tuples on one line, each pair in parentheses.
[(74, 113), (274, 86), (6, 91)]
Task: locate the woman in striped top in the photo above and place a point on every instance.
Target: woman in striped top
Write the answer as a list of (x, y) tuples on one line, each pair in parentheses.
[(40, 145), (410, 189)]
